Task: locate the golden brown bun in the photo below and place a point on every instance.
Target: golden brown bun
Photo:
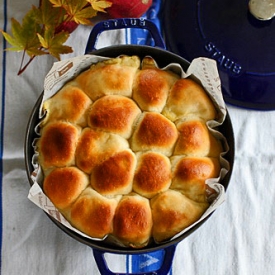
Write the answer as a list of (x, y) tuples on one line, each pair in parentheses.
[(93, 213), (94, 147), (69, 104), (151, 86), (195, 139), (57, 144), (187, 97), (153, 174), (114, 176), (190, 174), (133, 221), (154, 132), (115, 114), (113, 76), (64, 185), (172, 212)]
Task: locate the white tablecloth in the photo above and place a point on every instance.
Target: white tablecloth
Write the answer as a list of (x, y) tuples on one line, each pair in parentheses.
[(238, 238)]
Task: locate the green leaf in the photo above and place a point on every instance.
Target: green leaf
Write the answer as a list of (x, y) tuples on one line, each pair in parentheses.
[(54, 43), (12, 41), (60, 37), (61, 49), (16, 39), (23, 36), (30, 26), (49, 16)]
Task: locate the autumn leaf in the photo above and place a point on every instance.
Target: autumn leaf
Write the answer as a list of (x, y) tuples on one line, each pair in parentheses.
[(81, 16), (58, 3), (80, 11), (54, 43), (100, 5), (17, 46), (47, 15)]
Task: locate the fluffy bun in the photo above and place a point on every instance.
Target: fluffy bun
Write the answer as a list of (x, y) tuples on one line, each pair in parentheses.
[(64, 185), (69, 104), (172, 212), (195, 139), (111, 77), (114, 114), (154, 132), (94, 147), (196, 101), (152, 85), (153, 174), (57, 144), (133, 221), (93, 213), (191, 173), (114, 176)]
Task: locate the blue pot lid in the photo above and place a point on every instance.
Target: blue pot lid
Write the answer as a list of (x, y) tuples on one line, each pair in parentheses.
[(242, 45)]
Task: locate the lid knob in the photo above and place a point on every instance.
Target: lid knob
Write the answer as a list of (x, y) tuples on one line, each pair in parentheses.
[(262, 9)]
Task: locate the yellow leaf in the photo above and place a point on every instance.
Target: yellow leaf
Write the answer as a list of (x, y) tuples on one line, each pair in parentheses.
[(43, 41), (82, 17), (100, 5), (58, 3)]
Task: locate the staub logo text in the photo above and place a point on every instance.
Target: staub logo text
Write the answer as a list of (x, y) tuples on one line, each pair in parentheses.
[(222, 60)]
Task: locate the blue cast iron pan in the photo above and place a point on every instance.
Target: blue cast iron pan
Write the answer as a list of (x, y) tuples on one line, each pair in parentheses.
[(163, 58)]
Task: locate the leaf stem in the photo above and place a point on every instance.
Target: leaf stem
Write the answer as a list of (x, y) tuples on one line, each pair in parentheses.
[(23, 68)]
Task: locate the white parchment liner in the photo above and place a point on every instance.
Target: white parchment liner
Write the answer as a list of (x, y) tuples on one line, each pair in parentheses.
[(202, 70)]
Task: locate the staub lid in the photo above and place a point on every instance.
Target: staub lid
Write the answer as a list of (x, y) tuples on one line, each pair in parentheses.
[(238, 34)]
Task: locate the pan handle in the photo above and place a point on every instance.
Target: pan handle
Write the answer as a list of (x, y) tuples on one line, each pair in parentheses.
[(124, 23), (163, 270)]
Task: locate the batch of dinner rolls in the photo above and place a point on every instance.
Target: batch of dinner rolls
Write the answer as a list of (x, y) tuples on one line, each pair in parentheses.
[(125, 151)]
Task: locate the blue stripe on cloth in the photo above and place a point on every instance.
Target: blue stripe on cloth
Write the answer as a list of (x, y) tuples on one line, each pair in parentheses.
[(149, 261), (2, 123)]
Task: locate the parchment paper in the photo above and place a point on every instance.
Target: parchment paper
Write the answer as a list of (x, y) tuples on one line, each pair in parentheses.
[(202, 70)]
